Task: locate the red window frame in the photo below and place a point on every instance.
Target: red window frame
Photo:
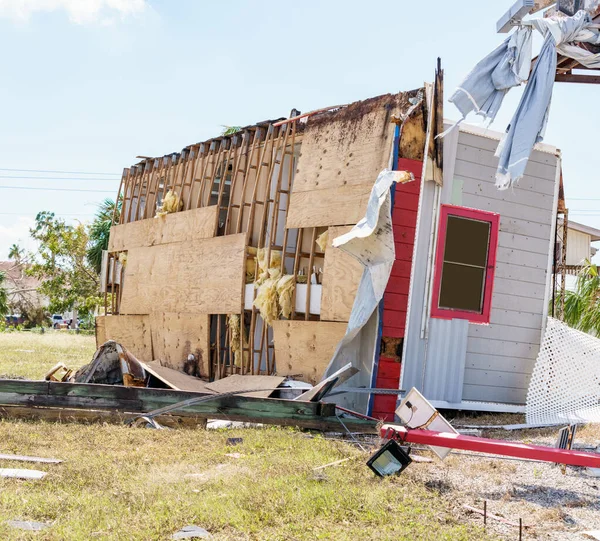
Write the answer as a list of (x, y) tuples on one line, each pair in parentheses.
[(480, 215)]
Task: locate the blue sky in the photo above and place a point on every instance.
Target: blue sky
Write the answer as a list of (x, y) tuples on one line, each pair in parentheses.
[(89, 84)]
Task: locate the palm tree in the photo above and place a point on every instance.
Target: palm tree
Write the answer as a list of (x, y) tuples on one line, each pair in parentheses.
[(582, 306), (15, 252), (100, 231), (4, 309)]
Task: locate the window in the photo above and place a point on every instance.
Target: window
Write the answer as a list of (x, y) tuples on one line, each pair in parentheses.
[(465, 262)]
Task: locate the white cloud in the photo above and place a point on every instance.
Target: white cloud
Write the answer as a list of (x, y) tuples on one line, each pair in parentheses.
[(16, 233), (78, 11)]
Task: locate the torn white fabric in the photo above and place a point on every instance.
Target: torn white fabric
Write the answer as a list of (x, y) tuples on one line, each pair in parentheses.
[(484, 88), (370, 241), (565, 384), (528, 124)]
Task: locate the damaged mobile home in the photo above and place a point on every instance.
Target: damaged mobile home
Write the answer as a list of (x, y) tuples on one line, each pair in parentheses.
[(224, 258)]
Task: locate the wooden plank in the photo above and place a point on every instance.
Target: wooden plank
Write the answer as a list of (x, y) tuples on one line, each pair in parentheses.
[(333, 206), (204, 276), (519, 288), (506, 347), (490, 144), (100, 331), (495, 378), (36, 459), (341, 276), (133, 332), (237, 382), (539, 178), (522, 226), (520, 273), (517, 304), (177, 335), (175, 379), (501, 395), (505, 332), (518, 319), (22, 474), (521, 257), (117, 398), (176, 227), (303, 349), (524, 243), (484, 361), (507, 209)]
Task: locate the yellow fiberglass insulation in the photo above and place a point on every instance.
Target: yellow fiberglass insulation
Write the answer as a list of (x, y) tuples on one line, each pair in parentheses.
[(261, 259), (171, 203), (236, 343), (123, 258), (285, 292), (266, 297), (322, 240)]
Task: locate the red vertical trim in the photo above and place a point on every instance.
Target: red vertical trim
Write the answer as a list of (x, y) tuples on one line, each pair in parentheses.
[(395, 300), (482, 216)]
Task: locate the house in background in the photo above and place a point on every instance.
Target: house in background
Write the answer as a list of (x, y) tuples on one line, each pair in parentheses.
[(579, 245)]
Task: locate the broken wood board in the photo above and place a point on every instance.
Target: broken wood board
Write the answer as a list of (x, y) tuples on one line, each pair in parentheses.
[(78, 401), (22, 474), (132, 332), (341, 276), (176, 380), (38, 459), (204, 276), (333, 206), (303, 349), (177, 227), (237, 382), (177, 335), (321, 389)]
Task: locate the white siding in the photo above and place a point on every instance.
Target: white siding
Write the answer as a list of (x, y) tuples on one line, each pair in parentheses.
[(454, 361), (500, 356), (578, 247)]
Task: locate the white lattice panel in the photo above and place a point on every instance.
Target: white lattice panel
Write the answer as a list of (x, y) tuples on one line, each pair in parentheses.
[(565, 385)]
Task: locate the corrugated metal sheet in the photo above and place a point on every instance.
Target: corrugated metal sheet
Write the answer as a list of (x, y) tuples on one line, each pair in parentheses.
[(444, 369)]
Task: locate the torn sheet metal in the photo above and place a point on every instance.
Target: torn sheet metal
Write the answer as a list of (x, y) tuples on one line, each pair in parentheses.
[(370, 241), (565, 384)]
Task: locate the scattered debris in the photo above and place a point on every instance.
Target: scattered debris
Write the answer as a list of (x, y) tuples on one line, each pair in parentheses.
[(22, 474), (29, 525), (112, 364), (246, 384), (234, 441), (21, 458), (332, 464), (595, 534), (191, 532), (51, 374)]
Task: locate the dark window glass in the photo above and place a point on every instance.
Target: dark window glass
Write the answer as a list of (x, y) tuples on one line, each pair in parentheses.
[(464, 266)]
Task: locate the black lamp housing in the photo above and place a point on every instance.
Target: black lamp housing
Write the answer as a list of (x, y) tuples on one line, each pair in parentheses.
[(390, 459)]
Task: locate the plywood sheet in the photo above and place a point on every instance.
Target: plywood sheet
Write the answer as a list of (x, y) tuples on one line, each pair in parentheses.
[(333, 206), (203, 276), (133, 332), (178, 227), (341, 276), (342, 153), (175, 379), (303, 349), (237, 382), (350, 146), (177, 335)]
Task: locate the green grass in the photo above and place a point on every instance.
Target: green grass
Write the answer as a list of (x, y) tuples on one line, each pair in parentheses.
[(30, 355), (135, 483)]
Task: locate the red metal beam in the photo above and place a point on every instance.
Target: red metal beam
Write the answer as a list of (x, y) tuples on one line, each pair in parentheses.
[(485, 445)]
